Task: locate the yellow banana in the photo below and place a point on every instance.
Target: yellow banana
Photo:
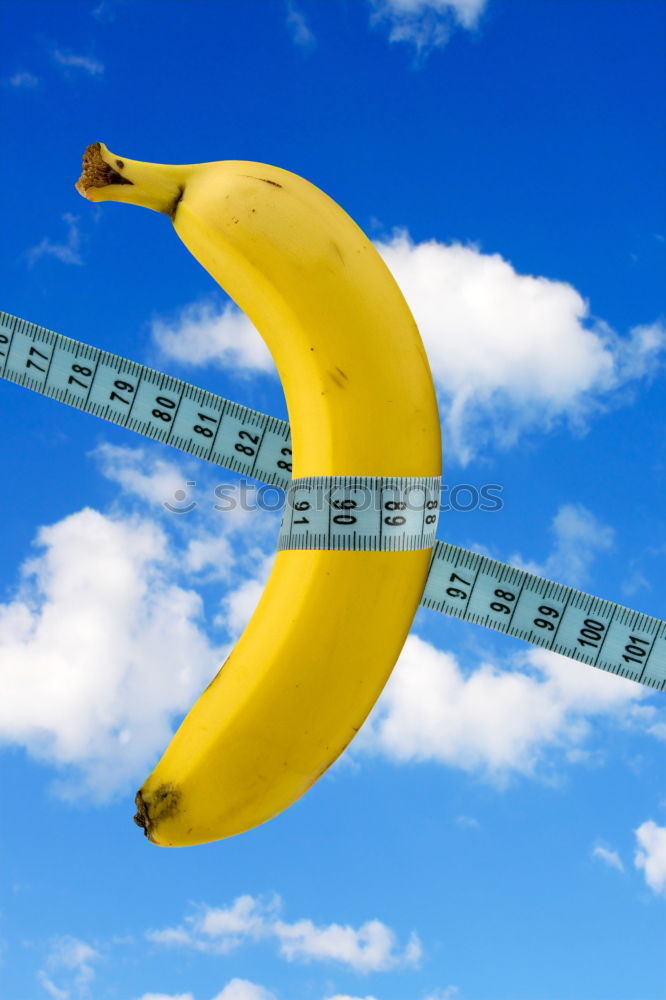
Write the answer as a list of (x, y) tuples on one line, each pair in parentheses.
[(330, 625)]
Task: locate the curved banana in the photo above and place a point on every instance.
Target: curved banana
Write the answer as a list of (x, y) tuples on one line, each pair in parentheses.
[(330, 625)]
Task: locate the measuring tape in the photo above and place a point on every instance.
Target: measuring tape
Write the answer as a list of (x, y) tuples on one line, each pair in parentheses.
[(460, 583), (146, 401), (371, 513)]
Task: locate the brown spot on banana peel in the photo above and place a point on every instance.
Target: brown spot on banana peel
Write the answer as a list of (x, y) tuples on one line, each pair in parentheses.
[(338, 381), (264, 180), (96, 172), (338, 251)]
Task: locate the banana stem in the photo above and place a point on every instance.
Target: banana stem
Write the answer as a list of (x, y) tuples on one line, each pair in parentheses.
[(107, 177)]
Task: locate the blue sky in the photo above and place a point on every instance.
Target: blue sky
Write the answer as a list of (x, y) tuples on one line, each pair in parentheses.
[(497, 831)]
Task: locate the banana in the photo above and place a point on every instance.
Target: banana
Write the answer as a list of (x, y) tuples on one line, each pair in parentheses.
[(330, 625)]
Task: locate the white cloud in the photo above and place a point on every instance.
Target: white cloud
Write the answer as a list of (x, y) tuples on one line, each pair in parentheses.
[(449, 993), (242, 989), (171, 937), (238, 603), (510, 353), (213, 555), (494, 722), (468, 822), (72, 953), (635, 580), (218, 545), (651, 854), (578, 538), (162, 485), (104, 639), (245, 918), (53, 991), (657, 728), (372, 947), (24, 79), (140, 472), (203, 333), (167, 996), (608, 857), (236, 989), (426, 24), (67, 252), (220, 929), (104, 11), (346, 996), (99, 649), (70, 60), (299, 29), (72, 958)]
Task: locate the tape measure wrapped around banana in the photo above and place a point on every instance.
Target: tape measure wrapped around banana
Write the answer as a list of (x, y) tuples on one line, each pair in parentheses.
[(330, 624)]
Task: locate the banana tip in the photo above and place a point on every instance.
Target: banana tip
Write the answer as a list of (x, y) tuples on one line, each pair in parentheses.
[(161, 803), (141, 817)]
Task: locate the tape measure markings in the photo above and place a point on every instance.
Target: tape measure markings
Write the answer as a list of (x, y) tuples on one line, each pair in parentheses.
[(372, 513), (590, 629), (460, 583), (146, 401)]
